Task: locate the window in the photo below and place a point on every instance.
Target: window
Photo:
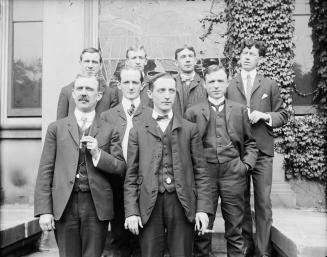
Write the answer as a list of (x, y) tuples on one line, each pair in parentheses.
[(25, 59)]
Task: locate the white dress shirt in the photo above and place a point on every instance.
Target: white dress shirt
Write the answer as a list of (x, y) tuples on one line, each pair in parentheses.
[(163, 123), (217, 102), (253, 74), (126, 103)]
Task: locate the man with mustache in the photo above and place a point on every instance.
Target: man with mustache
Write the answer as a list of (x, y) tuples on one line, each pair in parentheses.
[(166, 183), (265, 107), (90, 64), (73, 194)]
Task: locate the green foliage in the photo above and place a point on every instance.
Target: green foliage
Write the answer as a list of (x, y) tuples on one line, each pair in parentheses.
[(303, 146), (303, 140), (318, 22)]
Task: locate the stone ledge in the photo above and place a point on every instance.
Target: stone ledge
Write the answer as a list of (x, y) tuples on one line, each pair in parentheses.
[(299, 233)]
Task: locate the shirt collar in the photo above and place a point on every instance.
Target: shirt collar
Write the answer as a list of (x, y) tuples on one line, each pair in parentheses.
[(156, 114), (216, 101), (245, 73), (185, 76), (89, 115), (127, 102)]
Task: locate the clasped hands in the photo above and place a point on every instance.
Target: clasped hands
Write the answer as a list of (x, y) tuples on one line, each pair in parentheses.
[(201, 223)]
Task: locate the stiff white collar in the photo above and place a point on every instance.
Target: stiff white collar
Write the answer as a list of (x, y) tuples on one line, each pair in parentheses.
[(216, 101)]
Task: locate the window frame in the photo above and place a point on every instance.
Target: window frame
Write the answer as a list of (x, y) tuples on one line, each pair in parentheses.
[(17, 112)]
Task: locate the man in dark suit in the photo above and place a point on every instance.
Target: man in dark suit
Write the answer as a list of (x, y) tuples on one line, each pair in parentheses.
[(73, 193), (166, 183), (90, 63), (230, 150), (265, 108), (123, 116), (189, 84)]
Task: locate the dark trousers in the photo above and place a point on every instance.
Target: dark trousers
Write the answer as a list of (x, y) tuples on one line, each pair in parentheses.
[(228, 182), (167, 215), (262, 178), (121, 241), (79, 232)]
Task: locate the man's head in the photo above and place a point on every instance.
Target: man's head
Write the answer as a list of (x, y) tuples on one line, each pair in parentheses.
[(162, 91), (130, 82), (136, 57), (185, 59), (90, 61), (216, 81), (86, 93), (251, 52)]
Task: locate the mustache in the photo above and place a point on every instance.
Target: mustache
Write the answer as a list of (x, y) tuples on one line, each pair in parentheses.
[(83, 98)]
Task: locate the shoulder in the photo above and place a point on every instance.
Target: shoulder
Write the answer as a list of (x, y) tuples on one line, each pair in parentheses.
[(68, 88), (235, 104), (267, 81), (197, 108)]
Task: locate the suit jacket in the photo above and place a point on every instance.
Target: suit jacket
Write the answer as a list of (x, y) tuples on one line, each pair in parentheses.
[(144, 155), (66, 104), (238, 128), (58, 166), (265, 97), (197, 94)]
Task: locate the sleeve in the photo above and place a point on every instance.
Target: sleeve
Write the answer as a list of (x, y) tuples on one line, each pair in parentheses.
[(201, 174), (112, 160), (278, 114), (42, 193), (130, 186), (63, 105)]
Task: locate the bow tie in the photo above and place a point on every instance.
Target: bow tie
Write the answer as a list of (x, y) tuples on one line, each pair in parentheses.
[(162, 117), (131, 110)]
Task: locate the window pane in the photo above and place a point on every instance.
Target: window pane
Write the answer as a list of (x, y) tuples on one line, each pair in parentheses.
[(27, 10), (27, 65), (303, 61)]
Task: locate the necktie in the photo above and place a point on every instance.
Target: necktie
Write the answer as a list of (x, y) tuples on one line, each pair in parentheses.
[(83, 128), (217, 106), (248, 89), (162, 117), (131, 110)]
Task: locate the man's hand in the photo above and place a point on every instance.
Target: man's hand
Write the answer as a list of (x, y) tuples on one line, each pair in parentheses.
[(201, 222), (91, 145), (255, 116), (132, 223), (46, 222)]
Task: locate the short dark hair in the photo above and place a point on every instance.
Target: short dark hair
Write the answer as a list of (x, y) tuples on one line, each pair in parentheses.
[(158, 76), (128, 67), (213, 68), (96, 78), (191, 48), (91, 50), (260, 45), (136, 48)]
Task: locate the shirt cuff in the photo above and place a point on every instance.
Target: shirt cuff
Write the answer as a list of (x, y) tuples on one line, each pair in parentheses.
[(96, 161), (269, 121)]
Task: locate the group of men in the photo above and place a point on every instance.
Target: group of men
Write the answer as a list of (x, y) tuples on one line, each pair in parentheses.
[(153, 156)]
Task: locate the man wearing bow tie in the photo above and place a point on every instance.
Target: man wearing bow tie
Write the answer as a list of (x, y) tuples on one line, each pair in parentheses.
[(123, 117), (265, 108), (73, 193), (230, 151), (166, 183), (189, 85), (90, 65)]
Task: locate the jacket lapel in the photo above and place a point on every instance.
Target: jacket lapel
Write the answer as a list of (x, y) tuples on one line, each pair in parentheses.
[(229, 109), (73, 128), (239, 85), (94, 127), (152, 126), (177, 122), (179, 90), (195, 82), (206, 111), (256, 84)]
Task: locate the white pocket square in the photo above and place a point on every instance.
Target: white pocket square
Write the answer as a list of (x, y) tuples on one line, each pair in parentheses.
[(264, 96)]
